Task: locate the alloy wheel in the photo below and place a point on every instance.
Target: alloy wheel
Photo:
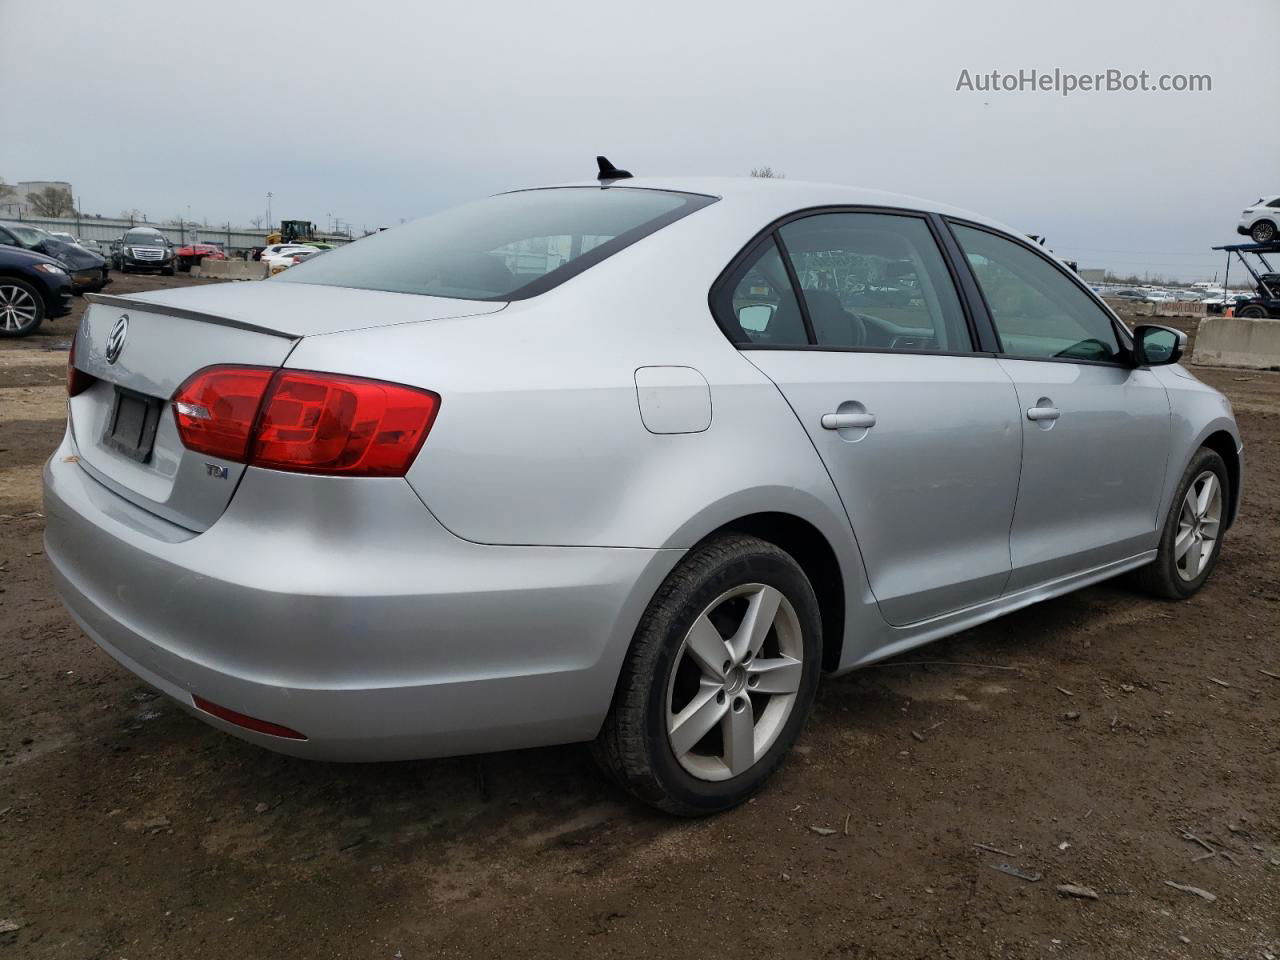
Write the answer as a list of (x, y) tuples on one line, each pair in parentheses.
[(18, 309), (735, 681), (1199, 522)]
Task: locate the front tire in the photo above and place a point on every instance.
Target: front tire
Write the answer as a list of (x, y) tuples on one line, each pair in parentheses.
[(1192, 537), (719, 680), (1264, 231), (21, 308), (1252, 312)]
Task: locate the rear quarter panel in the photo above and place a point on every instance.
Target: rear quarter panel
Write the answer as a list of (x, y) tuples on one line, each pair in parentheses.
[(539, 439)]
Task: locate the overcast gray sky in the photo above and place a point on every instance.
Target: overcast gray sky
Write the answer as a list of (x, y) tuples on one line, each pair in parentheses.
[(377, 111)]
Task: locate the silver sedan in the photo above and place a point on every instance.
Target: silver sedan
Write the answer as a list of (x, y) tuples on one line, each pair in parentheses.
[(630, 462)]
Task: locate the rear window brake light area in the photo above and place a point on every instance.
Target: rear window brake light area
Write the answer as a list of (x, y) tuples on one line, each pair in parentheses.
[(304, 422)]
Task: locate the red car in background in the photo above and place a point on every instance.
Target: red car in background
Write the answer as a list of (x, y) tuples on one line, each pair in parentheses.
[(193, 253)]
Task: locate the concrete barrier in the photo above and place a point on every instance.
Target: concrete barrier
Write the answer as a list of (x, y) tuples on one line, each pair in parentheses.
[(1236, 342), (1179, 308), (231, 269)]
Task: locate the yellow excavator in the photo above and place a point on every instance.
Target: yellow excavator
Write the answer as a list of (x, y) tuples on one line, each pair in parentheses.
[(293, 231)]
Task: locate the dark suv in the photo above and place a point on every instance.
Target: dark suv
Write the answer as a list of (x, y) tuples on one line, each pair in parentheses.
[(33, 287), (145, 248)]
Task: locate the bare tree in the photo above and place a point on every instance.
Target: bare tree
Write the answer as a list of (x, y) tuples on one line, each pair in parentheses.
[(257, 222), (767, 173), (133, 214), (53, 202), (6, 190)]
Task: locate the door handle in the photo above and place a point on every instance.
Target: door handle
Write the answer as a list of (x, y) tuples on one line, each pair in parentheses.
[(1043, 413), (848, 421)]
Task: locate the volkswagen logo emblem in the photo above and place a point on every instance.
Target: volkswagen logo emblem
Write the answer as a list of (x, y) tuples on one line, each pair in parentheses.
[(115, 341)]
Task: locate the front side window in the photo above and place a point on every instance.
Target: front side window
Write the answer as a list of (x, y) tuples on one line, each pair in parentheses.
[(508, 247), (875, 281), (1038, 312)]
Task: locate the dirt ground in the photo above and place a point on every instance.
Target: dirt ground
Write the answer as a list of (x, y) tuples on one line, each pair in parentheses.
[(1102, 739)]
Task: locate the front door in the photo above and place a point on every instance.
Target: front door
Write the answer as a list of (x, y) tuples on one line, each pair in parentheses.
[(1095, 430)]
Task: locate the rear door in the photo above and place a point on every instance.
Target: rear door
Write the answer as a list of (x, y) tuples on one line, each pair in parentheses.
[(1095, 429), (918, 431)]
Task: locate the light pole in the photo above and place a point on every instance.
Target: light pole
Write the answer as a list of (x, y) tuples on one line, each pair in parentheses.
[(268, 211)]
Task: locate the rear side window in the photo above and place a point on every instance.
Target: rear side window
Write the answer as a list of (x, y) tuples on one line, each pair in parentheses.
[(1039, 313), (875, 281), (762, 301), (509, 247)]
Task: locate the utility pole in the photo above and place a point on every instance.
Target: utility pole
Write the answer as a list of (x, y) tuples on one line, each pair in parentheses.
[(269, 230)]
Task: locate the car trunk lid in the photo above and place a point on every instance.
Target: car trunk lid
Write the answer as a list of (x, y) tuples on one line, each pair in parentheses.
[(140, 350)]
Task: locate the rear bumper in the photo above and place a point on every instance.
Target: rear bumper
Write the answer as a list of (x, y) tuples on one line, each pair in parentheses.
[(352, 616)]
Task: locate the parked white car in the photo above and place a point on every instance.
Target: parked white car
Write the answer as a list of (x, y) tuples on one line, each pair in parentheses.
[(277, 248), (286, 255), (1260, 221)]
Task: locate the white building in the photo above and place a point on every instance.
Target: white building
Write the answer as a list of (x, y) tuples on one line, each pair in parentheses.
[(19, 203)]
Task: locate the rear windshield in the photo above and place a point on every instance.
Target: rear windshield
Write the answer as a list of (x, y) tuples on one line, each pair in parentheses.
[(509, 247)]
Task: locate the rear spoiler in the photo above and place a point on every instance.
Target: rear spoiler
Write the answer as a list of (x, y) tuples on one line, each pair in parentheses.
[(146, 306)]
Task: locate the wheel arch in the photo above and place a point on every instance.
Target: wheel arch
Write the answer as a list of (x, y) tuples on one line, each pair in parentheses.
[(1223, 444), (817, 558)]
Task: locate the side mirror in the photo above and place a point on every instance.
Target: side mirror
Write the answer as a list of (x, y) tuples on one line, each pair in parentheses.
[(1155, 346), (755, 317)]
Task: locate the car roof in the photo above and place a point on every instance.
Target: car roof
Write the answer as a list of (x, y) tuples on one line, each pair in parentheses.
[(775, 197)]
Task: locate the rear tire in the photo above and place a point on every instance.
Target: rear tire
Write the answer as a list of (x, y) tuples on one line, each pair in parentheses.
[(21, 308), (1264, 231), (691, 668), (1253, 312), (1191, 540)]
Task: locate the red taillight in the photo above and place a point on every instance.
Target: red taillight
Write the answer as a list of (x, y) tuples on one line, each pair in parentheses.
[(246, 721), (324, 423), (77, 380), (216, 409), (304, 422)]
